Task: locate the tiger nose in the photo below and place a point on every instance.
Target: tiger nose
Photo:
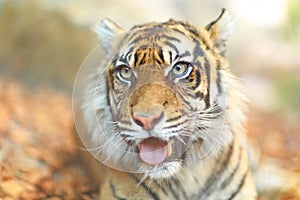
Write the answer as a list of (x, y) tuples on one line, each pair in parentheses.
[(148, 121)]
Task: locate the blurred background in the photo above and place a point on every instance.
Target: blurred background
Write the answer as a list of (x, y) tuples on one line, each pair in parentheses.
[(44, 42)]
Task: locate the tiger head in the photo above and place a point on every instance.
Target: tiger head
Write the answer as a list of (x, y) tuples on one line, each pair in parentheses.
[(159, 98)]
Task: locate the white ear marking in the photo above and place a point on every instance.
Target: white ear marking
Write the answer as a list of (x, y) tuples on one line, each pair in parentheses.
[(220, 29), (106, 30)]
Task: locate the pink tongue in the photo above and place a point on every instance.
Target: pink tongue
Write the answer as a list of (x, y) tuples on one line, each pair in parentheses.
[(153, 151)]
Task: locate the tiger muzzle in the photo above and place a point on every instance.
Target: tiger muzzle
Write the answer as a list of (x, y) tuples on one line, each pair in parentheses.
[(151, 104)]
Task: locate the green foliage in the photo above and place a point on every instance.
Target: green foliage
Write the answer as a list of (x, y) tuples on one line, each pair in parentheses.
[(287, 87), (292, 26)]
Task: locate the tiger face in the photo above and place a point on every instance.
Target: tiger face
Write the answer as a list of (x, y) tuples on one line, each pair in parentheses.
[(160, 99)]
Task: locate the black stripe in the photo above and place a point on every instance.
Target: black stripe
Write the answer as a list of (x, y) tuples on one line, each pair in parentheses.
[(207, 71), (142, 34), (176, 125), (185, 54), (160, 58), (220, 90), (148, 189), (156, 57), (208, 27), (125, 122), (238, 189), (177, 56), (173, 119), (179, 186), (197, 64), (179, 31), (129, 51), (198, 79), (127, 129), (115, 58), (107, 93), (153, 31), (199, 94), (170, 55), (207, 47), (187, 103), (219, 80), (144, 25), (128, 138), (193, 31), (216, 172), (192, 94), (197, 50), (218, 63), (123, 59), (136, 57), (228, 180), (142, 60), (142, 47), (158, 61), (202, 128), (206, 99), (173, 192), (169, 44), (160, 186), (111, 78), (189, 29), (160, 54), (113, 190), (135, 40), (170, 38)]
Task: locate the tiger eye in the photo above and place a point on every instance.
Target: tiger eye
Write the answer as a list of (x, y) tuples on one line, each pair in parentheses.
[(125, 72), (180, 69)]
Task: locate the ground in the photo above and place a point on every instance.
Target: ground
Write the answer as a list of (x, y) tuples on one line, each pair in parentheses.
[(37, 149), (38, 154)]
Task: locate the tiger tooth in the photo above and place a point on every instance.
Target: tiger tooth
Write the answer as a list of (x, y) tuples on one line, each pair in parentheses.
[(169, 151)]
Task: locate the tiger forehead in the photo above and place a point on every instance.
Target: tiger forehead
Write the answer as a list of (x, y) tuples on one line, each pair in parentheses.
[(171, 25), (169, 30), (161, 44), (147, 55), (158, 47)]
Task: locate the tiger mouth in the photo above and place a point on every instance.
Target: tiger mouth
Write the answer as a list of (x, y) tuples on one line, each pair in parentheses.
[(154, 151), (165, 151)]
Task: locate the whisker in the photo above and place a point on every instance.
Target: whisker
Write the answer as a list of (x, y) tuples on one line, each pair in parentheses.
[(180, 139), (89, 149), (111, 122)]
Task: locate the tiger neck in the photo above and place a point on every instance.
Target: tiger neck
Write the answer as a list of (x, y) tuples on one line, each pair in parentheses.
[(203, 173)]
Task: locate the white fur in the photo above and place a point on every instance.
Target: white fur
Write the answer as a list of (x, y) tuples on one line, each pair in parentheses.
[(107, 31), (104, 133), (225, 27)]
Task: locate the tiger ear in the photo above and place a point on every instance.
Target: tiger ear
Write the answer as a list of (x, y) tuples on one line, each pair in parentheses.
[(220, 30), (107, 31)]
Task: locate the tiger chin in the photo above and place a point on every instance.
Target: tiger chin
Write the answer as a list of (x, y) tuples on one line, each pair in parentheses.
[(166, 113)]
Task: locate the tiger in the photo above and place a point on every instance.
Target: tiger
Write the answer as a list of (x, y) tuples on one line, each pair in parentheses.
[(166, 116)]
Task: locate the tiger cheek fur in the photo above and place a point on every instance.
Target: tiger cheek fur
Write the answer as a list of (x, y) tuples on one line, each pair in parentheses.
[(166, 82)]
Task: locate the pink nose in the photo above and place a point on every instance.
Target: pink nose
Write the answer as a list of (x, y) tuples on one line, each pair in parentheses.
[(147, 122)]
